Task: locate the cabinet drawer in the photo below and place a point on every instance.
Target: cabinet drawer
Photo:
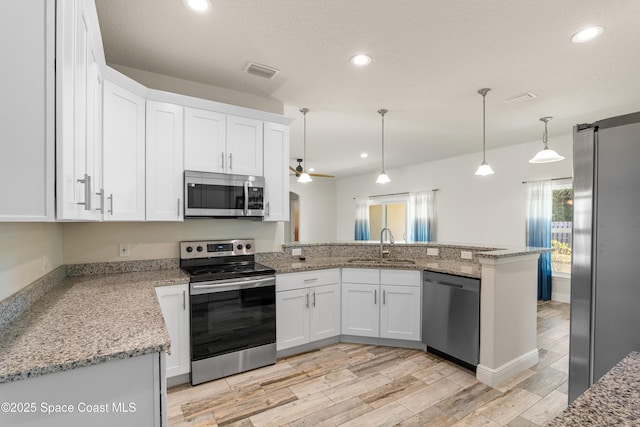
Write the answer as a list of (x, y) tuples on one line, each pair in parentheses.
[(369, 276), (400, 277), (306, 279)]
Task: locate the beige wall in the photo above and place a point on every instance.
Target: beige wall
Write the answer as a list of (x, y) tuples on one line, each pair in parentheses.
[(27, 252), (99, 242), (200, 90)]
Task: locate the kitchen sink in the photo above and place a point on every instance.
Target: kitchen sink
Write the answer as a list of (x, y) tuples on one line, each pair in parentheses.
[(382, 262)]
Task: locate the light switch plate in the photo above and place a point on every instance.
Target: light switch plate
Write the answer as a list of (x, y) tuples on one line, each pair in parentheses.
[(432, 251), (466, 254), (296, 251)]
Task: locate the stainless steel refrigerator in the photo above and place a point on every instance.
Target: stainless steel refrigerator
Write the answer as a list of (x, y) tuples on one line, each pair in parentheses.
[(605, 272)]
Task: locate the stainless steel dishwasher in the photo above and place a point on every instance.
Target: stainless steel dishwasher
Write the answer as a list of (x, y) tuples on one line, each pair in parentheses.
[(451, 316)]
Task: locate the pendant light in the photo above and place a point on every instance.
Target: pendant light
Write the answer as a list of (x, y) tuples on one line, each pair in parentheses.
[(304, 176), (484, 169), (382, 178), (546, 155)]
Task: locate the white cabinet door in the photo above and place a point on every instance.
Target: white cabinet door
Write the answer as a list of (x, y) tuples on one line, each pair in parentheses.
[(204, 140), (360, 309), (276, 172), (78, 112), (123, 128), (174, 302), (292, 318), (164, 165), (27, 110), (400, 312), (244, 146), (325, 312)]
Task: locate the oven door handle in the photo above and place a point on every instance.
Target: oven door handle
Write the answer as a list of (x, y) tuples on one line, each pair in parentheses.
[(230, 286)]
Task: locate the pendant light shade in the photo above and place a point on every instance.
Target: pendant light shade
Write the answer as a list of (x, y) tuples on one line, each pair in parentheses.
[(546, 155), (484, 169), (383, 178), (304, 176)]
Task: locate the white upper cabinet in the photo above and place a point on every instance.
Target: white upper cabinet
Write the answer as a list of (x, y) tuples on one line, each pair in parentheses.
[(215, 142), (164, 165), (205, 134), (78, 112), (276, 171), (27, 36), (123, 130), (244, 146)]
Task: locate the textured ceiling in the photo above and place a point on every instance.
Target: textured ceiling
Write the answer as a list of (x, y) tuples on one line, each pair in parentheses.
[(429, 59)]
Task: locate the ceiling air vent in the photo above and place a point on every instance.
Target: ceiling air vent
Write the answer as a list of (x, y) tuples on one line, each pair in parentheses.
[(521, 97), (260, 70)]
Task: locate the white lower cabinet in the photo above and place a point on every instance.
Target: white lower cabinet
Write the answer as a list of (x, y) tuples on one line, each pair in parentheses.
[(307, 307), (174, 302), (381, 303)]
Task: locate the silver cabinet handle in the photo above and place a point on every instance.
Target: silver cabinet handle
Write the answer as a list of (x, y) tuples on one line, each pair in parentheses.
[(110, 204), (314, 298), (313, 279), (375, 296), (267, 213), (384, 297), (222, 159), (184, 300), (307, 300), (87, 192), (230, 161), (178, 211), (101, 194)]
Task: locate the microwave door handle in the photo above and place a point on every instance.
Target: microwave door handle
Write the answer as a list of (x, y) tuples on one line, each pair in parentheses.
[(246, 198)]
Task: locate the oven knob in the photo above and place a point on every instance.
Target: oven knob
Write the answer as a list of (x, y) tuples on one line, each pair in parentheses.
[(199, 248), (248, 245), (239, 247), (189, 249)]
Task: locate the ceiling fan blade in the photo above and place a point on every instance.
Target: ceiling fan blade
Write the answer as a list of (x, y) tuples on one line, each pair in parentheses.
[(321, 175)]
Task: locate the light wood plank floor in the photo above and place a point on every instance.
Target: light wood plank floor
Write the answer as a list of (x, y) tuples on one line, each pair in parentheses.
[(360, 385)]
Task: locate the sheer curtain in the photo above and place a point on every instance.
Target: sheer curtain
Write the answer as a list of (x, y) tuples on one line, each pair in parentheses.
[(421, 218), (362, 220), (539, 209)]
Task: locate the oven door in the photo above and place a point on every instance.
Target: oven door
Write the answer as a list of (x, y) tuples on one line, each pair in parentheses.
[(223, 195), (230, 316)]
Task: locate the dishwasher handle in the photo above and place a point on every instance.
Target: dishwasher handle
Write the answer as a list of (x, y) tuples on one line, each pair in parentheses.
[(454, 285)]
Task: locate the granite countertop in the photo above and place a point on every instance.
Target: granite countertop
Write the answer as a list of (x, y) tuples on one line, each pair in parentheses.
[(460, 268), (613, 401), (87, 320)]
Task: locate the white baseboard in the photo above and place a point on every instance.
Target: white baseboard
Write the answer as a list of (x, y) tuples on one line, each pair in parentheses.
[(555, 296), (495, 377)]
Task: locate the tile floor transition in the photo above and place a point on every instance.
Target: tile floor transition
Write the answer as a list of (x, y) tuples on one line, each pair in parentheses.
[(362, 385)]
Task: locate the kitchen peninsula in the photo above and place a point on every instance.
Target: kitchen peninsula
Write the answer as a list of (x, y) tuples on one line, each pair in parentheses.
[(508, 292)]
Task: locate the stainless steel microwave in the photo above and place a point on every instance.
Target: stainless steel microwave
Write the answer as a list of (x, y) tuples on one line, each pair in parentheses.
[(209, 194)]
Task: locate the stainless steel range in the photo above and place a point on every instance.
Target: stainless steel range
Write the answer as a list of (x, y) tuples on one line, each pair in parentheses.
[(233, 308)]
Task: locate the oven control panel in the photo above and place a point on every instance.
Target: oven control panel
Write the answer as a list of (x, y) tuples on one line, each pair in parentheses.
[(213, 248)]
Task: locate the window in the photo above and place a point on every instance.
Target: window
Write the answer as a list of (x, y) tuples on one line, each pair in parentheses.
[(391, 214), (561, 226)]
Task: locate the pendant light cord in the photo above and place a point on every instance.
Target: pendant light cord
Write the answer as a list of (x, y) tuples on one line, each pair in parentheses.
[(304, 112), (483, 92), (382, 112)]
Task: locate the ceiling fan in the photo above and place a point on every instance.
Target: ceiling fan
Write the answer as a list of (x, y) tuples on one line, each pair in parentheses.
[(298, 171)]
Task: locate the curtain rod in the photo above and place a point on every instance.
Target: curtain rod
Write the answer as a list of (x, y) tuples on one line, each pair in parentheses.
[(399, 194), (552, 179)]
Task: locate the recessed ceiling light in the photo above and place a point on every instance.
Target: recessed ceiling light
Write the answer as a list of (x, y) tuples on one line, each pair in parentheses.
[(361, 60), (364, 155), (200, 6), (587, 34)]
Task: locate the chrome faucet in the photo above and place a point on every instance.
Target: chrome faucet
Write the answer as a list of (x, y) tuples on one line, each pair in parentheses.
[(383, 252)]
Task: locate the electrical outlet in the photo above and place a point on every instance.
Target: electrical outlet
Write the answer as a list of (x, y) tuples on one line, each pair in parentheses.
[(432, 251), (296, 251), (466, 254), (123, 250)]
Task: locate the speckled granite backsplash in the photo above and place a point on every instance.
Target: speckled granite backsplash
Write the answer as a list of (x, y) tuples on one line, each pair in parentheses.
[(122, 267), (12, 306)]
